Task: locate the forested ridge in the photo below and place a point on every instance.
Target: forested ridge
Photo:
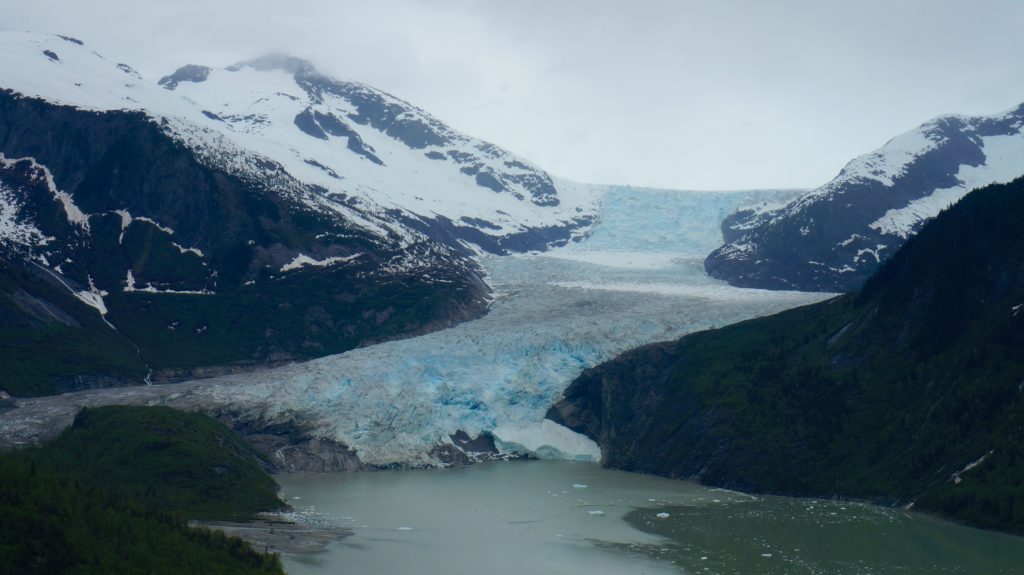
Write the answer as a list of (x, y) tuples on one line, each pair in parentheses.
[(890, 393), (114, 493)]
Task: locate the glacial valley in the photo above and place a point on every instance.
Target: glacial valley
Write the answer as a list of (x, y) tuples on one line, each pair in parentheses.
[(636, 278)]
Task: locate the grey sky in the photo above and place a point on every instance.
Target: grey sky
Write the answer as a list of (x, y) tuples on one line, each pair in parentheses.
[(702, 95)]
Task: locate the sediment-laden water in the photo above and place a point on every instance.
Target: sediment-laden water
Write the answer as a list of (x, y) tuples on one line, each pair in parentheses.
[(565, 518)]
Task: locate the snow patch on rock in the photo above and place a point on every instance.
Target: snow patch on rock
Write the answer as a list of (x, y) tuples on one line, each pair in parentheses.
[(129, 286), (71, 210), (303, 260)]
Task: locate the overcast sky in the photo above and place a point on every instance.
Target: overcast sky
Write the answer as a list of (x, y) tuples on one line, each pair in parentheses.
[(680, 94)]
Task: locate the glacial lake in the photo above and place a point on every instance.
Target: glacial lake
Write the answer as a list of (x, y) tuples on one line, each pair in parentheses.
[(564, 518)]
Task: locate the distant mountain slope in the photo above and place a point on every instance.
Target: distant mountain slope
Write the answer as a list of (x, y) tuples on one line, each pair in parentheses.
[(358, 153), (834, 237), (906, 391), (218, 220)]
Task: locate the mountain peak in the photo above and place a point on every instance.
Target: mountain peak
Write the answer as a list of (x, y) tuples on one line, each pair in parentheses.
[(187, 73)]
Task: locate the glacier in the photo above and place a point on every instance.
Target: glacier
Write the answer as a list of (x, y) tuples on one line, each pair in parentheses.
[(636, 278)]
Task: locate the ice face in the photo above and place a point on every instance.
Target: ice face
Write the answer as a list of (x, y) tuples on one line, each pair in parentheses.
[(638, 278)]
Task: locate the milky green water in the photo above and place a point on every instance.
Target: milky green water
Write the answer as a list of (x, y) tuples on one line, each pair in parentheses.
[(549, 517)]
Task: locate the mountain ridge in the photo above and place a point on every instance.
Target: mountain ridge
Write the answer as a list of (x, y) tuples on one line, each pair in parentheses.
[(834, 237)]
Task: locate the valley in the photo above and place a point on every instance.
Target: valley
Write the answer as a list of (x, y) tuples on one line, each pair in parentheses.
[(637, 278), (297, 308)]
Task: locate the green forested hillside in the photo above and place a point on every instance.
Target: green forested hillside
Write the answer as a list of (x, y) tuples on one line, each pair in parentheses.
[(52, 524), (179, 462), (39, 318), (113, 493), (887, 393)]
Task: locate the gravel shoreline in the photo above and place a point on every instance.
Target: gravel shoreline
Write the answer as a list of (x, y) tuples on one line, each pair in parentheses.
[(279, 534)]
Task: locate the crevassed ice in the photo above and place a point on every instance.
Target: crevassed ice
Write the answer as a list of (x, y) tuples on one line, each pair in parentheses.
[(556, 314)]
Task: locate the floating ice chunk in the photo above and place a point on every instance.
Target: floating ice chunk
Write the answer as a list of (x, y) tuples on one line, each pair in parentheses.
[(546, 440), (579, 485), (595, 512), (662, 515), (405, 528)]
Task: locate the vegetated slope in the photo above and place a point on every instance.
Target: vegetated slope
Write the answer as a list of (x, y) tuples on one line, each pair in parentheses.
[(113, 493), (50, 340), (176, 461), (833, 238), (51, 524), (906, 391)]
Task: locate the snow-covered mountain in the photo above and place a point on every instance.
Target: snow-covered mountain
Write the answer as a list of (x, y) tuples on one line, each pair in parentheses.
[(173, 207), (834, 237), (376, 160)]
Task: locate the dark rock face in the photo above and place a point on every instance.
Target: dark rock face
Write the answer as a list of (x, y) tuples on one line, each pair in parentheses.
[(289, 447), (310, 455), (615, 405), (188, 73), (319, 125), (202, 248), (466, 450), (129, 70), (487, 180), (825, 240), (481, 444)]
